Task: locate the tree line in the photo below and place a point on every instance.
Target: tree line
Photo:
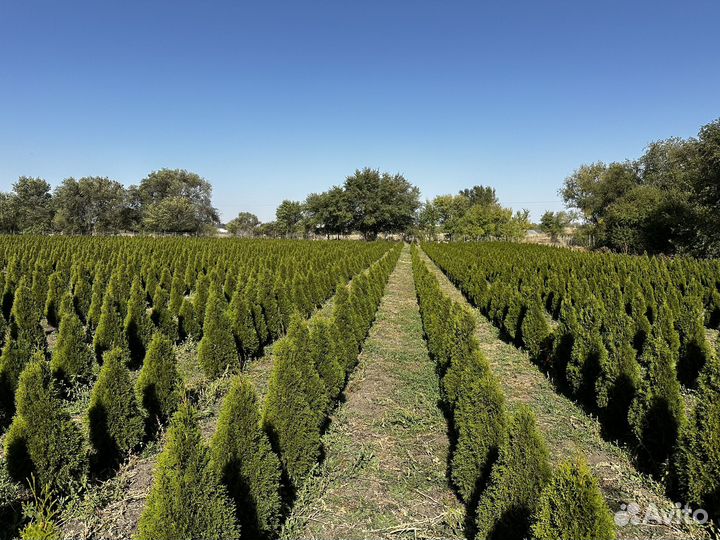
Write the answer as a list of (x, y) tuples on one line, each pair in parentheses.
[(166, 201), (667, 201)]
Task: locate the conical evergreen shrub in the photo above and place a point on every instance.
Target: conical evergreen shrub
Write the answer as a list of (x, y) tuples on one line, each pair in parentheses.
[(657, 413), (246, 338), (43, 440), (72, 358), (536, 332), (188, 326), (56, 290), (177, 293), (572, 507), (159, 387), (289, 420), (695, 466), (138, 327), (200, 297), (302, 355), (217, 351), (345, 323), (480, 424), (109, 333), (187, 499), (15, 356), (25, 319), (249, 468), (115, 420), (327, 358), (161, 315), (518, 477)]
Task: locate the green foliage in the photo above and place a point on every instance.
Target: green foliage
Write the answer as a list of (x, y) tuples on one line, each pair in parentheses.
[(15, 355), (43, 440), (187, 499), (696, 463), (480, 424), (345, 320), (572, 507), (657, 413), (217, 351), (158, 386), (25, 318), (72, 359), (188, 325), (43, 512), (56, 289), (288, 418), (327, 356), (137, 326), (250, 470), (241, 317), (536, 331), (115, 421), (516, 481), (109, 333)]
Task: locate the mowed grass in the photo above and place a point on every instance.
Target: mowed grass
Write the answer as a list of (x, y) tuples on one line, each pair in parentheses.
[(569, 431), (385, 472)]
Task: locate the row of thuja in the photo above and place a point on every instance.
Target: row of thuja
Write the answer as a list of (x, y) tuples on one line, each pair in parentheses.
[(241, 480), (243, 484), (626, 336), (500, 463)]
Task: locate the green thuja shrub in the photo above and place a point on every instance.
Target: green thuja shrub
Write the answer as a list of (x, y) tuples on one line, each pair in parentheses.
[(345, 322), (137, 327), (161, 315), (188, 325), (187, 499), (694, 353), (249, 468), (462, 369), (536, 333), (109, 333), (327, 358), (15, 356), (82, 295), (518, 477), (177, 293), (158, 387), (200, 297), (241, 317), (657, 412), (288, 418), (43, 440), (303, 357), (72, 358), (695, 466), (582, 371), (92, 317), (115, 420), (217, 351), (25, 318), (572, 507), (39, 288), (480, 426), (55, 291)]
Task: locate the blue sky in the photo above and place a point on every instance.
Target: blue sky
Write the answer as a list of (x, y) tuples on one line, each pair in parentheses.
[(273, 100)]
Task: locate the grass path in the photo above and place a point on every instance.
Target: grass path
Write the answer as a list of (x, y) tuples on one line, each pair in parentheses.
[(386, 449), (568, 430)]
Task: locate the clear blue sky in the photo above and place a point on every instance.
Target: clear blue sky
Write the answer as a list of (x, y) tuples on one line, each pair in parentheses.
[(273, 100)]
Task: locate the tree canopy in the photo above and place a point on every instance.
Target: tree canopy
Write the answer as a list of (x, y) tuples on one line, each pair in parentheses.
[(473, 214), (166, 201), (666, 201)]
